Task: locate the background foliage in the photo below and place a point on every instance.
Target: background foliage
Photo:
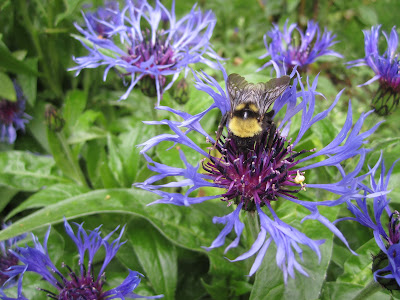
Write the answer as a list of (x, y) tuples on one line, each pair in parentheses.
[(85, 171)]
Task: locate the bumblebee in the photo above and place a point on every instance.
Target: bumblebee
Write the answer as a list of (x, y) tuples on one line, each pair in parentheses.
[(248, 118)]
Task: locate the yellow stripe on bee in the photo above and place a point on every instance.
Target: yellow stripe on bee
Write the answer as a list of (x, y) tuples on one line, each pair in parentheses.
[(244, 128), (240, 106), (253, 108)]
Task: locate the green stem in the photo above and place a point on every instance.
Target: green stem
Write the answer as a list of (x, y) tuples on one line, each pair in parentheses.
[(154, 113), (23, 8), (368, 291), (79, 177), (253, 227)]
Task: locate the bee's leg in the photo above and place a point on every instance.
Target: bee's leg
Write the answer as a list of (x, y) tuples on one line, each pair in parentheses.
[(221, 128), (271, 135), (268, 116)]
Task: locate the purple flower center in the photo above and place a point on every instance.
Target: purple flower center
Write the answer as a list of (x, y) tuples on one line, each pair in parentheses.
[(298, 57), (149, 55), (6, 261), (256, 176), (8, 111), (79, 287)]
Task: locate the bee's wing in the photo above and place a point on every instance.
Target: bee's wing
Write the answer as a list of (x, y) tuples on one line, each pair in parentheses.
[(271, 91), (236, 86)]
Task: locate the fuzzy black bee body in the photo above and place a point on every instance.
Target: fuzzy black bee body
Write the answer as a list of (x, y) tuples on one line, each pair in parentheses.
[(248, 118)]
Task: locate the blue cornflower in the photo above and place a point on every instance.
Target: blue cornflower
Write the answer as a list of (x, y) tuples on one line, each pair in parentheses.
[(12, 116), (385, 66), (386, 265), (104, 19), (287, 50), (7, 259), (83, 285), (270, 171), (148, 44)]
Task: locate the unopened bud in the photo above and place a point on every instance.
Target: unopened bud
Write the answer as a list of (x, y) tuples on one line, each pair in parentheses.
[(148, 86), (54, 120), (181, 92), (379, 262)]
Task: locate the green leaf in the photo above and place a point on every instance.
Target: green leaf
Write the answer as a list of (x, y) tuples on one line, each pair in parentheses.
[(189, 227), (37, 126), (64, 158), (334, 290), (269, 283), (7, 90), (74, 105), (367, 15), (227, 288), (49, 196), (13, 65), (107, 177), (28, 82), (95, 156), (157, 256), (85, 128), (358, 268), (81, 136), (115, 162), (20, 54), (26, 171), (130, 154), (72, 6), (6, 195)]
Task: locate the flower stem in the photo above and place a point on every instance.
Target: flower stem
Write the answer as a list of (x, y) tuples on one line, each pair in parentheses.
[(77, 171), (64, 158), (154, 113), (252, 229), (367, 291), (253, 226), (34, 35)]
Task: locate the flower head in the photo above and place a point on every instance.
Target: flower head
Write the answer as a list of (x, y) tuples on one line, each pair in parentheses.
[(12, 116), (385, 66), (271, 170), (148, 44), (258, 176), (7, 259), (286, 51), (100, 19), (386, 265), (85, 284)]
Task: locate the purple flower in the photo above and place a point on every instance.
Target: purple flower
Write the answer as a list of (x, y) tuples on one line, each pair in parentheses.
[(12, 116), (386, 265), (148, 44), (104, 19), (385, 66), (287, 51), (7, 259), (85, 284), (271, 170)]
